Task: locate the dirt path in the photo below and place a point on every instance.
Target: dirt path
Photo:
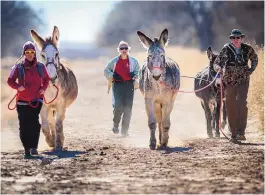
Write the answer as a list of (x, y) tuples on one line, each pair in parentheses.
[(100, 162)]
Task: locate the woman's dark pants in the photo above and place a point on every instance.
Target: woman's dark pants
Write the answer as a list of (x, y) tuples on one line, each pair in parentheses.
[(29, 125), (122, 102)]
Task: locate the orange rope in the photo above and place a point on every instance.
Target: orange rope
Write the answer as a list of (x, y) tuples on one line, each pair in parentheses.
[(177, 90), (221, 103), (221, 106), (15, 97)]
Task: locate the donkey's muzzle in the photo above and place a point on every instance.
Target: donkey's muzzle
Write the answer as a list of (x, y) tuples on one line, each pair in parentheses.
[(218, 83), (156, 77), (156, 70)]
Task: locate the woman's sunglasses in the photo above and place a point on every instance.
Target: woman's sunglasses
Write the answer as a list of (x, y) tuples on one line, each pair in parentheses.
[(29, 52), (235, 37), (124, 48)]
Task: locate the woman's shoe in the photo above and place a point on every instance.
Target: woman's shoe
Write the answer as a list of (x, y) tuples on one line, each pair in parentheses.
[(27, 154), (34, 151)]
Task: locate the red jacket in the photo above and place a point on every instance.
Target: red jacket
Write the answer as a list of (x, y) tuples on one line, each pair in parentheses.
[(32, 82)]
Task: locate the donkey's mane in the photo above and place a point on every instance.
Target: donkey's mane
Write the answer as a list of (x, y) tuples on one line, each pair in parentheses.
[(156, 40), (63, 64), (48, 40)]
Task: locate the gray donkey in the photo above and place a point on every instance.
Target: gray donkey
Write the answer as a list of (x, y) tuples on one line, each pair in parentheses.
[(210, 97), (52, 115), (159, 80)]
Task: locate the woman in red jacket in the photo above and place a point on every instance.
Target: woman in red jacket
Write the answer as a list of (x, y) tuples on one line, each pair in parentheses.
[(31, 87)]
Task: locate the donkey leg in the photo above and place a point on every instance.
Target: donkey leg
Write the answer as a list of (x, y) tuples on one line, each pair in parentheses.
[(208, 116), (59, 128), (224, 115), (149, 106), (158, 115), (166, 110), (217, 118), (51, 119), (45, 126)]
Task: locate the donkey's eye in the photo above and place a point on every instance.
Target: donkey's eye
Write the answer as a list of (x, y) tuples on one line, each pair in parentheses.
[(150, 56), (162, 55), (56, 54), (42, 55)]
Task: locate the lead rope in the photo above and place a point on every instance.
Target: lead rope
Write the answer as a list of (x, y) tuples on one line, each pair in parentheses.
[(221, 94), (221, 106), (30, 102), (183, 91)]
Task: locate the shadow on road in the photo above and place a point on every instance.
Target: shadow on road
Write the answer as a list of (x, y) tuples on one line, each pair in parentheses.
[(65, 154), (169, 150), (252, 144)]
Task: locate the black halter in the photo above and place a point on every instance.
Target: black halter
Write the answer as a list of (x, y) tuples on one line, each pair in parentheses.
[(56, 66)]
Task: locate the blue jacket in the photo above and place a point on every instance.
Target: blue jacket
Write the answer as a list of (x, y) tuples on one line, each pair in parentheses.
[(110, 68)]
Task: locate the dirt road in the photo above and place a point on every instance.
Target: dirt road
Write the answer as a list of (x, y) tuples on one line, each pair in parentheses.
[(100, 162)]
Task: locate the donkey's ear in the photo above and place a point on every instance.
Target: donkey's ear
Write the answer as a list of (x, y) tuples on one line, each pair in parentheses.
[(210, 53), (55, 36), (37, 39), (164, 38), (144, 40)]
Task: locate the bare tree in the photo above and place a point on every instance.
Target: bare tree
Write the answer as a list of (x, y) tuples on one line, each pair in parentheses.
[(17, 18), (202, 15), (191, 23)]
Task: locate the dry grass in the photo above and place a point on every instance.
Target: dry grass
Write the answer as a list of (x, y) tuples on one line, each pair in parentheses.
[(256, 91)]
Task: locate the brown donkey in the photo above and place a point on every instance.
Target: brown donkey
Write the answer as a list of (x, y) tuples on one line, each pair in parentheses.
[(52, 115), (158, 70)]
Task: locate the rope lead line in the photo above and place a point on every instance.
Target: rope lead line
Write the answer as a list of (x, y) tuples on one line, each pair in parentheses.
[(30, 103)]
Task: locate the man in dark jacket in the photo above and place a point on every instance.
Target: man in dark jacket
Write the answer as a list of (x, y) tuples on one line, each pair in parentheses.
[(233, 65)]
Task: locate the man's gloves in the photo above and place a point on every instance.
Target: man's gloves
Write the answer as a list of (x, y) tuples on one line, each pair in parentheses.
[(132, 75), (116, 77), (218, 68), (250, 71)]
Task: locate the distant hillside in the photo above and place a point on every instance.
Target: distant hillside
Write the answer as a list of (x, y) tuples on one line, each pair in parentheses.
[(190, 23), (73, 50)]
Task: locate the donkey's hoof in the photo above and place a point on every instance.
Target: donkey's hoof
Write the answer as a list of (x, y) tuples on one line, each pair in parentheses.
[(50, 143), (162, 147), (223, 124), (210, 135), (65, 148), (152, 144), (217, 135), (152, 147), (59, 149)]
